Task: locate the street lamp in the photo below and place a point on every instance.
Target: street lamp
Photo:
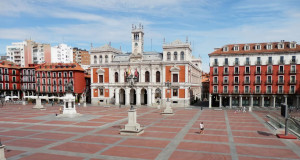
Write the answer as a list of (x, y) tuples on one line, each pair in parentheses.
[(168, 84), (23, 89), (131, 79)]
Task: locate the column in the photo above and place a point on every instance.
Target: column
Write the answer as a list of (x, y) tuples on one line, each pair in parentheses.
[(251, 100), (262, 101), (127, 96), (285, 99), (274, 101), (149, 97), (297, 104), (11, 93), (138, 96), (18, 94), (209, 101), (153, 96), (117, 96), (241, 101), (163, 96), (220, 101), (230, 101)]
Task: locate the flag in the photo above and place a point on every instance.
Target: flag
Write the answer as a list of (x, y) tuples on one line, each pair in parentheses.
[(136, 73), (129, 71)]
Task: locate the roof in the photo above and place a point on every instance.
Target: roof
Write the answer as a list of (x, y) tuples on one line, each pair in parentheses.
[(59, 67), (8, 64), (106, 48), (252, 50), (205, 79)]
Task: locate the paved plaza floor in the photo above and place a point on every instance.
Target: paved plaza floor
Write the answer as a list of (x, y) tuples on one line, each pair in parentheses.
[(39, 135)]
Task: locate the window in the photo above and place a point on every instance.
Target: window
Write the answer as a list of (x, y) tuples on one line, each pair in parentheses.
[(215, 89), (247, 69), (168, 56), (293, 60), (247, 48), (95, 59), (225, 49), (225, 80), (293, 79), (100, 78), (182, 55), (281, 69), (175, 56), (269, 79), (175, 77), (258, 70), (247, 61), (216, 70), (14, 72), (269, 89), (226, 61), (215, 61), (258, 60), (225, 89), (157, 76), (54, 74), (236, 89), (293, 69), (116, 77), (71, 74), (101, 92), (280, 79), (65, 74), (292, 89), (247, 89), (14, 79), (106, 58), (269, 46), (6, 86), (269, 60), (175, 92), (236, 61), (54, 89), (236, 80), (215, 80), (236, 48), (247, 79), (258, 47), (257, 89), (147, 76), (49, 89), (269, 69), (280, 45), (281, 59), (100, 59), (257, 79), (226, 70), (59, 74), (293, 45), (236, 70), (54, 81), (280, 89)]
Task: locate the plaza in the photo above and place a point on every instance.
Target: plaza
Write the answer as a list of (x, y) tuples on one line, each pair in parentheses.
[(39, 135)]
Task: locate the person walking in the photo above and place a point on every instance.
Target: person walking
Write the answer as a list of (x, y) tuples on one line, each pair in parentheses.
[(201, 128)]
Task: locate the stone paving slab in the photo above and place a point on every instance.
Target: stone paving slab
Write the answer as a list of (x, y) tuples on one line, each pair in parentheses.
[(38, 135)]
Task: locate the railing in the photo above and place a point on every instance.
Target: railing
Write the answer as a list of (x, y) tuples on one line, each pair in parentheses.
[(257, 82), (236, 72), (269, 81), (247, 63), (235, 82), (246, 92), (293, 82), (215, 73), (235, 91), (280, 91), (246, 82), (293, 61), (215, 63), (281, 62), (225, 91), (215, 91), (215, 82), (225, 64), (225, 73), (269, 72), (280, 72), (257, 72), (257, 91), (246, 72), (269, 62), (236, 63), (269, 92), (258, 63), (292, 92), (225, 82), (292, 71), (280, 82)]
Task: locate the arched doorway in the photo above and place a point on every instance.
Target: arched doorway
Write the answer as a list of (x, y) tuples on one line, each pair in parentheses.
[(122, 96), (157, 93), (143, 96), (132, 97)]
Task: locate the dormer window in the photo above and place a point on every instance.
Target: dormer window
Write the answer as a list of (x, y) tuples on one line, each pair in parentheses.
[(236, 48), (293, 45), (280, 46), (269, 46), (225, 49), (257, 47), (247, 48)]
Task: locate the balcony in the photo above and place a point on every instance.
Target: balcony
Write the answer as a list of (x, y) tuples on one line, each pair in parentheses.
[(236, 63), (215, 63), (268, 62), (214, 74), (280, 72), (225, 82), (257, 82), (247, 63), (258, 63), (236, 72), (257, 72), (225, 64), (292, 92), (225, 73), (291, 82), (280, 91), (280, 82), (281, 62), (269, 81), (269, 72), (293, 72), (235, 91), (246, 72), (257, 91), (225, 92), (215, 91), (293, 61), (235, 82), (215, 82), (246, 92), (268, 92)]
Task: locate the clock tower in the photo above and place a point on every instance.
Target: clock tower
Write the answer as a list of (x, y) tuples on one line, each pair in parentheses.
[(137, 39)]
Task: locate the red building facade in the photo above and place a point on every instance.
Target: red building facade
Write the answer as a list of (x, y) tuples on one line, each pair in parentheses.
[(10, 84), (256, 74)]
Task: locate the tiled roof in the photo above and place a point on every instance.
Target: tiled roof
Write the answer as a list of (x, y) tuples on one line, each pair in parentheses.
[(8, 64), (252, 49), (59, 67)]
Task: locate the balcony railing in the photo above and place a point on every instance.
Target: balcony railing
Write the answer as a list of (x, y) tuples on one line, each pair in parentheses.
[(236, 63), (257, 82), (215, 73), (257, 72), (280, 82), (246, 82), (269, 81), (225, 91), (280, 72), (280, 91), (225, 82), (215, 91), (236, 72), (268, 91), (293, 82), (215, 63), (247, 63), (225, 64), (257, 91), (246, 92), (215, 82), (235, 82), (225, 73), (269, 72), (292, 92), (293, 61), (246, 72), (281, 62), (292, 71), (269, 62), (235, 91), (258, 63)]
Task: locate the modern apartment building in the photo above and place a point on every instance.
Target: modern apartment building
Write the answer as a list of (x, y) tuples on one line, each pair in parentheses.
[(61, 54)]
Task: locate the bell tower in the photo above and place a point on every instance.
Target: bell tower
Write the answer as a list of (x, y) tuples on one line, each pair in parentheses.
[(137, 39)]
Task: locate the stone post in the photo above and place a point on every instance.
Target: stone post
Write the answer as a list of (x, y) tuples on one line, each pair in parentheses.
[(274, 101), (138, 96), (241, 101), (153, 96), (285, 99), (117, 96), (262, 101), (209, 102), (149, 97), (220, 101), (230, 101), (2, 154), (127, 96)]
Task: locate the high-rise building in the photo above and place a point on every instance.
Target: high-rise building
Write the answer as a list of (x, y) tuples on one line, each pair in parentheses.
[(62, 54), (82, 57), (255, 74), (28, 52)]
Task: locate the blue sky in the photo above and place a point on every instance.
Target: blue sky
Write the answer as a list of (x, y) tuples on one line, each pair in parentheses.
[(208, 24)]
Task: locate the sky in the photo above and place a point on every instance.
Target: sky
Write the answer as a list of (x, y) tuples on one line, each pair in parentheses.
[(208, 24)]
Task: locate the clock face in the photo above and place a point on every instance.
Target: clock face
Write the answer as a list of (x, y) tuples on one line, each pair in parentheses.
[(136, 44)]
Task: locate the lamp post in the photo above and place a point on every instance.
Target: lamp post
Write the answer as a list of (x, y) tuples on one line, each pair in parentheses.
[(132, 127), (38, 103), (168, 85), (23, 91), (168, 110)]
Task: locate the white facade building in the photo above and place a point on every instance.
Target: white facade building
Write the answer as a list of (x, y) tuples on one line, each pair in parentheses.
[(15, 53), (110, 67), (62, 54)]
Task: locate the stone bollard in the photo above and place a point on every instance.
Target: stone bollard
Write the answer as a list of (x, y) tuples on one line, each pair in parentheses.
[(2, 154), (250, 109)]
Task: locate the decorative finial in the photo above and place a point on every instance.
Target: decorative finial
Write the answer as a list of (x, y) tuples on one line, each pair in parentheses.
[(140, 26), (132, 26), (187, 39)]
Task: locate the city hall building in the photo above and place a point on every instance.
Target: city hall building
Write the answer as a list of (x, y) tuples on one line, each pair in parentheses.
[(110, 67), (255, 74)]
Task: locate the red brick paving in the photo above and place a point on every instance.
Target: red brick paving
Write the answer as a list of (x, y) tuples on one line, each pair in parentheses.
[(53, 136), (10, 153), (204, 137), (180, 155), (44, 156), (89, 124), (60, 122), (80, 147), (39, 127), (163, 129), (221, 148), (132, 152), (99, 139), (75, 129), (32, 143), (17, 133), (158, 134), (273, 142), (253, 134), (145, 142), (267, 152), (254, 158)]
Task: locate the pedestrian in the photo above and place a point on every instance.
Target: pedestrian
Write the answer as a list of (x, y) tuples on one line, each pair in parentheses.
[(201, 128)]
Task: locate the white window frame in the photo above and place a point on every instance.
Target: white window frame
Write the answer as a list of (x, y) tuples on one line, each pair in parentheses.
[(259, 88), (225, 49), (237, 78), (236, 48), (214, 89), (291, 88), (282, 88), (293, 45), (1, 86), (246, 47), (235, 89), (172, 90), (267, 88), (171, 77), (257, 47), (269, 46), (6, 86), (214, 79), (248, 88), (224, 88), (280, 46), (224, 79)]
